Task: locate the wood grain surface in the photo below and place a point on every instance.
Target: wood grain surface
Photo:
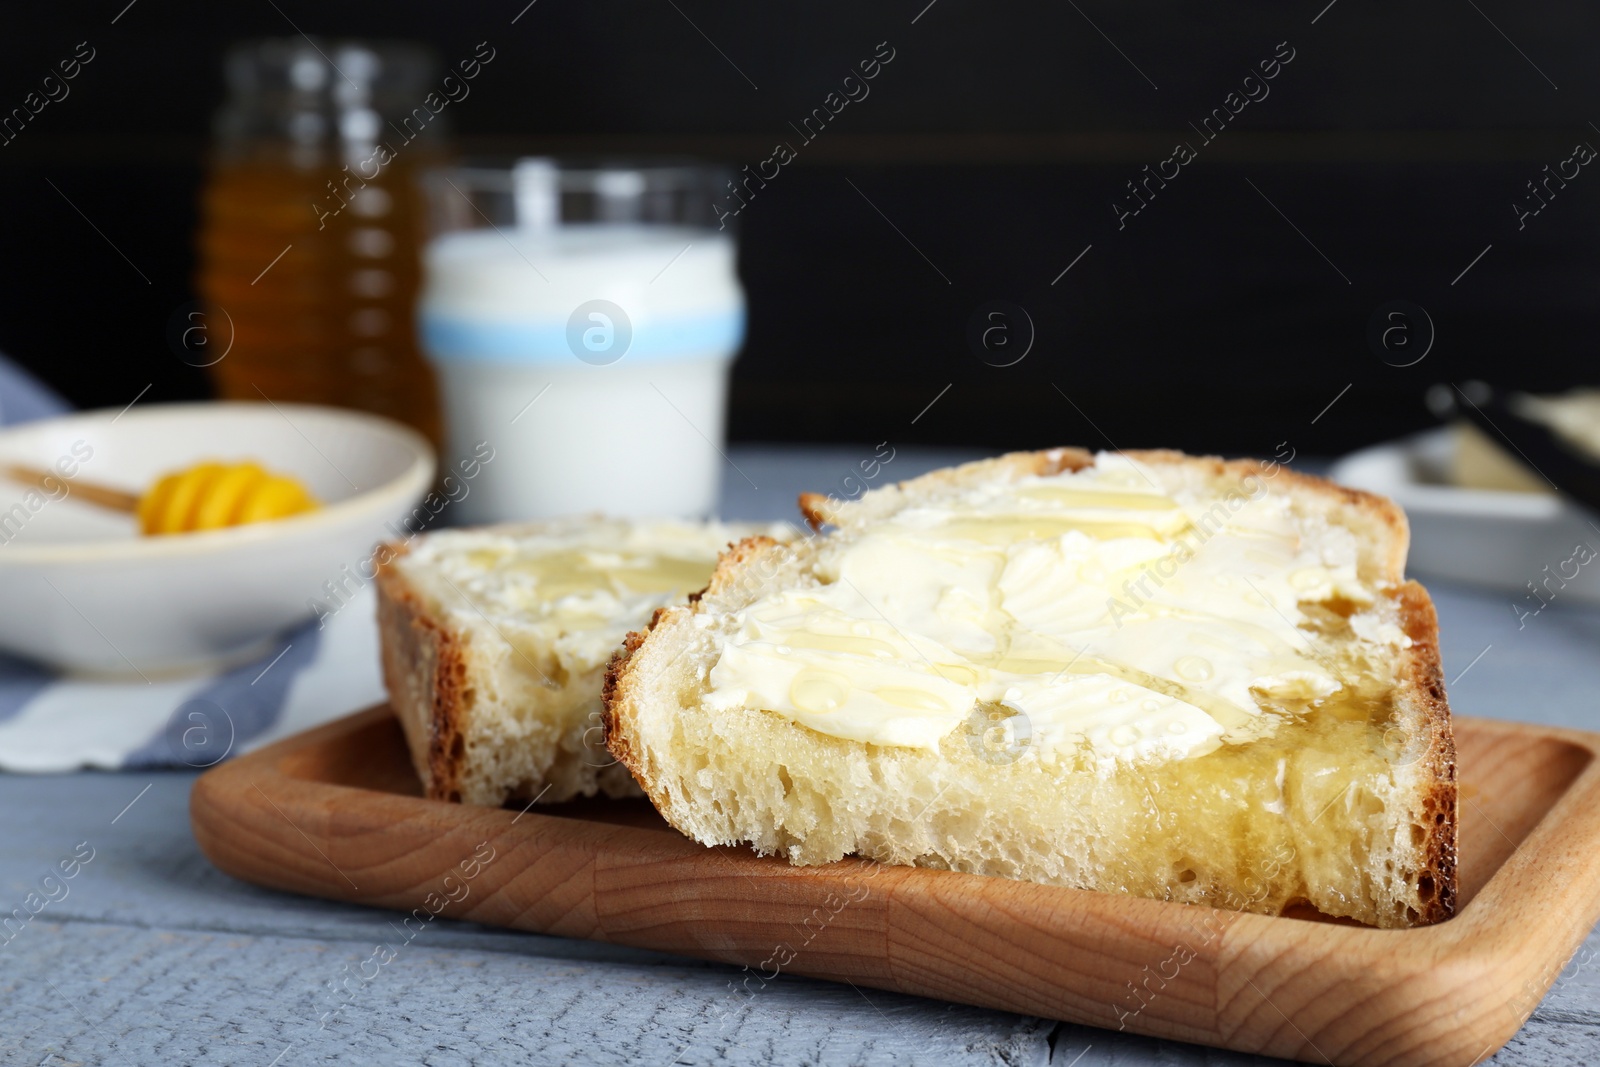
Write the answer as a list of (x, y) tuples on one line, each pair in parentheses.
[(335, 812)]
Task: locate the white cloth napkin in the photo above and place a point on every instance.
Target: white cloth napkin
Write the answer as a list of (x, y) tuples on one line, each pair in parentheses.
[(50, 722)]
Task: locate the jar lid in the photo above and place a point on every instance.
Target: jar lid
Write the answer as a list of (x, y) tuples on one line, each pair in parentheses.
[(347, 71)]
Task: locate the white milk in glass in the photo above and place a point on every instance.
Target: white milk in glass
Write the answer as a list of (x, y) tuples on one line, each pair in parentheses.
[(592, 358)]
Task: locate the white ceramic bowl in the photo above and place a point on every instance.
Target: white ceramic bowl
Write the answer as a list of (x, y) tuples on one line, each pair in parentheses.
[(1488, 537), (81, 590)]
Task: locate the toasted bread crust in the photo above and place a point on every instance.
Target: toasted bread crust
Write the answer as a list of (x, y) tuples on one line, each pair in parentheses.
[(1422, 673), (1420, 676), (424, 668), (616, 680)]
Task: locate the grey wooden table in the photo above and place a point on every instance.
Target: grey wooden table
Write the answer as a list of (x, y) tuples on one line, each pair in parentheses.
[(154, 957)]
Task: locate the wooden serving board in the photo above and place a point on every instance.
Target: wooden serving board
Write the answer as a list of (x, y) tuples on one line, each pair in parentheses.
[(336, 812)]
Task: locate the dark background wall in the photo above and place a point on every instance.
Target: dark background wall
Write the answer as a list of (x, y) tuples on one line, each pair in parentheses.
[(1226, 315)]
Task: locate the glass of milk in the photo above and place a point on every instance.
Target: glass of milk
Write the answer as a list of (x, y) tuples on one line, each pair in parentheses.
[(582, 320)]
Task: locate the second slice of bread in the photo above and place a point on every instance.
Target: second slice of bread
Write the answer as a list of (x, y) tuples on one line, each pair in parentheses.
[(494, 644)]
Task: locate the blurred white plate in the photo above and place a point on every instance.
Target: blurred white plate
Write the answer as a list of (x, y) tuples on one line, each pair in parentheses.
[(1488, 537), (81, 590)]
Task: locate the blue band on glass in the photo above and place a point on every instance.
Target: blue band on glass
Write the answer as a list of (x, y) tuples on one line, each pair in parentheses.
[(448, 339)]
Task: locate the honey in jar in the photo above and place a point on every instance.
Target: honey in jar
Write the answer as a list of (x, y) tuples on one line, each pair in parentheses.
[(311, 222)]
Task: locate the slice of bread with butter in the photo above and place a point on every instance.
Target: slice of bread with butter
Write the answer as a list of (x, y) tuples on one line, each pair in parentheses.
[(1177, 677), (495, 642)]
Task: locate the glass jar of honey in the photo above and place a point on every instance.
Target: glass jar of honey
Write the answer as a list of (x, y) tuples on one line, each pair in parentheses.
[(311, 219)]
